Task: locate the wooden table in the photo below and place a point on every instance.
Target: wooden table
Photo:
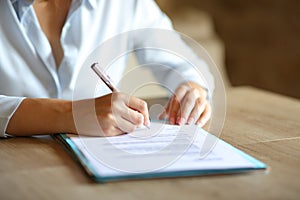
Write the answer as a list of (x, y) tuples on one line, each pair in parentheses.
[(263, 124)]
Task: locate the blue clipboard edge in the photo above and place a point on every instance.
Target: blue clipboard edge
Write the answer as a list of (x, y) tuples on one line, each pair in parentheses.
[(77, 155)]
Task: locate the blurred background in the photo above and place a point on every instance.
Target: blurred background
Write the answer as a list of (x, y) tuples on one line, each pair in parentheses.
[(253, 42)]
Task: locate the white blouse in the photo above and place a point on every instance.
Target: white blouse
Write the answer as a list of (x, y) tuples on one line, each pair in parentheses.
[(27, 65)]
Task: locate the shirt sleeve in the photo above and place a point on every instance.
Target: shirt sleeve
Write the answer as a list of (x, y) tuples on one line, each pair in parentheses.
[(8, 106), (172, 60)]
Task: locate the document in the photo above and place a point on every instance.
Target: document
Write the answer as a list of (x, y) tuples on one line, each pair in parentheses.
[(162, 151)]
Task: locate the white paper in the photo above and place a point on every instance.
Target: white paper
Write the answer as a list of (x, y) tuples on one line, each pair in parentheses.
[(162, 148)]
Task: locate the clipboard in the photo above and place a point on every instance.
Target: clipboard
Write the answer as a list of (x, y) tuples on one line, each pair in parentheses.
[(89, 166)]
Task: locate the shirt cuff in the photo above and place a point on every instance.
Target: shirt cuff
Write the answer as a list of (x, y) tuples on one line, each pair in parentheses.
[(8, 106)]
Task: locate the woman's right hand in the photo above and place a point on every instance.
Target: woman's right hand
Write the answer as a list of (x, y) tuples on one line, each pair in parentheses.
[(109, 115)]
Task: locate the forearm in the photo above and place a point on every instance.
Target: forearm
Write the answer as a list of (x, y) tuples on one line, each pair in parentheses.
[(41, 116), (116, 113)]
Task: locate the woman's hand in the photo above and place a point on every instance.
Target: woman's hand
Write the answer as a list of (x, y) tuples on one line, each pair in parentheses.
[(116, 113), (188, 105)]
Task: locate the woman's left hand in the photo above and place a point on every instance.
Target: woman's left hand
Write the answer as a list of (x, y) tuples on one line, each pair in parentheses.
[(188, 105)]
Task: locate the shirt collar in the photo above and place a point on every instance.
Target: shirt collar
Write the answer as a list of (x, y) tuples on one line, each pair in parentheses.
[(92, 3), (21, 6)]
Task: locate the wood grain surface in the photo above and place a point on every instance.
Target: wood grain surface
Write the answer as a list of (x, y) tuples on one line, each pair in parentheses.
[(263, 124)]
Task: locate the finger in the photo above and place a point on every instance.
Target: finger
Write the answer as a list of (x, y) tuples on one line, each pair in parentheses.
[(164, 114), (114, 132), (174, 106), (111, 130), (140, 106), (174, 109), (133, 116), (205, 116), (187, 105), (124, 125), (197, 111)]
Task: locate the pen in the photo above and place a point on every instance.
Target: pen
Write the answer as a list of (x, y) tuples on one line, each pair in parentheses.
[(106, 79)]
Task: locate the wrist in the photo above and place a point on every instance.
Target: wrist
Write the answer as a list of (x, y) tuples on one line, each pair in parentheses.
[(203, 91), (64, 117)]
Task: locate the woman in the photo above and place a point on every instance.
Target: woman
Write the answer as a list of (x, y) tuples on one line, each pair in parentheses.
[(43, 43)]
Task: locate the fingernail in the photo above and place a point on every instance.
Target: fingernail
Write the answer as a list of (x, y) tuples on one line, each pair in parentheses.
[(200, 124), (191, 120), (178, 120), (148, 123), (182, 121), (172, 120)]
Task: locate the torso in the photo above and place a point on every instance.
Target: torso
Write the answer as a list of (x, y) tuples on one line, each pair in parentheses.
[(52, 15)]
